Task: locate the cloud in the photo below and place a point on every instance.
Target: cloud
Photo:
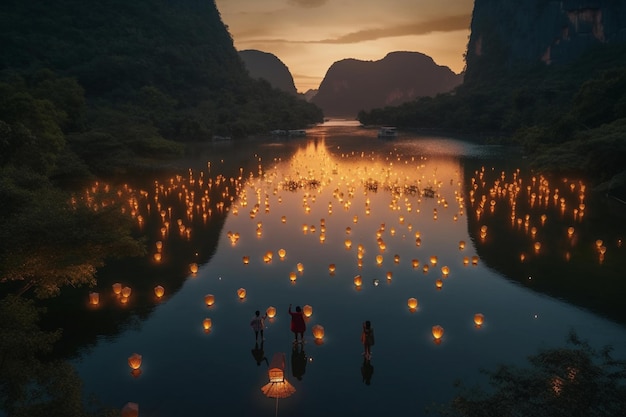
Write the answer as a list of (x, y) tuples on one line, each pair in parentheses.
[(308, 3), (446, 24)]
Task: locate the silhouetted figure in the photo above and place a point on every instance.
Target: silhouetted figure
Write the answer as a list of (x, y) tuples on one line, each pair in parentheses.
[(367, 338), (298, 326), (258, 324), (367, 370), (259, 354), (298, 361)]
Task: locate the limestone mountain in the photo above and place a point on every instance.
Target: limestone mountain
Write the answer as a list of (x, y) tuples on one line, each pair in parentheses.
[(267, 66), (351, 85)]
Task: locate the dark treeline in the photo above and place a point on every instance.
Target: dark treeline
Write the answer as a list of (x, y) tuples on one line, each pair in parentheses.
[(89, 90), (570, 117)]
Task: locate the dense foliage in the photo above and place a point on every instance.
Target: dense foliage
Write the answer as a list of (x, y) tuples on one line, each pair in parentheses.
[(565, 110)]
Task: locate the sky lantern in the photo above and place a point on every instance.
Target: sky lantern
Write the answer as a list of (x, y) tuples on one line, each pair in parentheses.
[(282, 253), (292, 276), (537, 246), (379, 259), (134, 361), (479, 319), (246, 260), (300, 267), (348, 243), (157, 257), (389, 275), (461, 245), (474, 260), (332, 268), (433, 260), (445, 270), (318, 333), (193, 268), (126, 291), (209, 300), (307, 310), (241, 293), (415, 263), (437, 332), (159, 245), (358, 281), (570, 231), (159, 291), (466, 260), (412, 303), (207, 323), (94, 298), (396, 259), (271, 312), (439, 284), (117, 288), (425, 268)]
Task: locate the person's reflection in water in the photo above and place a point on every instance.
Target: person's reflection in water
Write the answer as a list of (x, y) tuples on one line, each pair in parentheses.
[(367, 370), (259, 354), (298, 361)]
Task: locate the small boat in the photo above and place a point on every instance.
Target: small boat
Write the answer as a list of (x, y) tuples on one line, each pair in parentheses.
[(388, 132)]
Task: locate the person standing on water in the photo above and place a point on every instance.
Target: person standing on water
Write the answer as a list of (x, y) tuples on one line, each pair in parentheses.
[(258, 324), (367, 338), (298, 326)]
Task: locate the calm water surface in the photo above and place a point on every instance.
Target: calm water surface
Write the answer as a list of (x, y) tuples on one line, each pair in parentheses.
[(309, 196)]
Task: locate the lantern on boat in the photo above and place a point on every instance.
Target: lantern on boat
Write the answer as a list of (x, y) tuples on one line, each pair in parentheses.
[(479, 319), (209, 300), (94, 298), (241, 293), (437, 332), (271, 312), (159, 291), (307, 310)]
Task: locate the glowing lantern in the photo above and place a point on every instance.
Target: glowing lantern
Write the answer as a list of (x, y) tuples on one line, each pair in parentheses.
[(292, 277), (207, 324), (318, 333), (282, 253), (474, 260), (159, 291), (439, 284), (479, 319), (379, 259), (246, 260), (415, 263), (134, 361), (412, 303), (522, 257), (209, 300), (461, 245), (130, 410), (570, 231), (389, 275), (348, 243), (307, 310), (159, 245), (433, 260), (94, 298), (157, 257), (117, 288), (271, 312), (331, 268), (358, 281), (466, 260), (537, 246), (193, 268), (425, 268), (126, 292), (396, 258), (241, 293), (437, 331), (300, 267), (445, 271)]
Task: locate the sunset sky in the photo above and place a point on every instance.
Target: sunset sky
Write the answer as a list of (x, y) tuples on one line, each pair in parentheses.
[(309, 35)]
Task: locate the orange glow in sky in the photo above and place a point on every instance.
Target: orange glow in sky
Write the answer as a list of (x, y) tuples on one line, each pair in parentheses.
[(310, 35)]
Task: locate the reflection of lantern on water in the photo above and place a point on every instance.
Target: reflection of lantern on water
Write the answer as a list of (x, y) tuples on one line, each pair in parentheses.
[(379, 259), (94, 298), (461, 245), (318, 333), (193, 268), (389, 275), (159, 291), (241, 293), (207, 324), (437, 331), (246, 260), (292, 276), (282, 253), (307, 310), (134, 361), (271, 312), (415, 263), (412, 303), (433, 260), (479, 319), (209, 300), (300, 267), (358, 281), (439, 284), (331, 268), (445, 271), (117, 288), (126, 291)]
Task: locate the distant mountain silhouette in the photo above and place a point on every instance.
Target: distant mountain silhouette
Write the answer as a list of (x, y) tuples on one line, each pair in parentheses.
[(309, 94), (351, 85), (268, 67)]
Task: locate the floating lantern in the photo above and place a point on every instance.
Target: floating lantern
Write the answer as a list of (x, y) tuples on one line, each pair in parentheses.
[(522, 257), (425, 268), (134, 361), (241, 293), (126, 291), (117, 288), (348, 243), (466, 260), (396, 258), (318, 333), (437, 331), (412, 303), (379, 259), (570, 231), (292, 276), (474, 260), (479, 319), (283, 219), (157, 257), (461, 245), (445, 271), (159, 291), (94, 298), (307, 310), (209, 300), (331, 268), (282, 253), (207, 324), (389, 275), (433, 260), (159, 245), (358, 281), (193, 268), (439, 284), (537, 247), (246, 260), (271, 312), (300, 267), (599, 243)]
